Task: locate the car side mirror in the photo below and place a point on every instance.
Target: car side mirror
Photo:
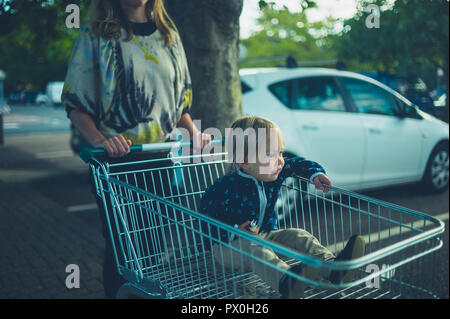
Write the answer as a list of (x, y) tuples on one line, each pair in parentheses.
[(406, 111)]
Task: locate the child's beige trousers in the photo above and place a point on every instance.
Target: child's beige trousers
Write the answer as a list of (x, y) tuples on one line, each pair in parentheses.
[(293, 238)]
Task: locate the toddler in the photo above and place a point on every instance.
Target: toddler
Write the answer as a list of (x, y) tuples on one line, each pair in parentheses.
[(245, 198)]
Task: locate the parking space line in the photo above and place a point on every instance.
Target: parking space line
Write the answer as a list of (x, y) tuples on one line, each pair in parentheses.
[(384, 234), (81, 208), (56, 154), (392, 232), (11, 126)]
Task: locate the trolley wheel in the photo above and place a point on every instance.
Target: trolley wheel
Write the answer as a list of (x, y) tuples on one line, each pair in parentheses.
[(436, 177)]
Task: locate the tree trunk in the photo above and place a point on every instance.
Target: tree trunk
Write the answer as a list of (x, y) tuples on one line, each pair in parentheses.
[(209, 30)]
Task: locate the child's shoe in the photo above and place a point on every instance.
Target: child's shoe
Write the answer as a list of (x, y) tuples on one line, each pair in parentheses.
[(355, 248)]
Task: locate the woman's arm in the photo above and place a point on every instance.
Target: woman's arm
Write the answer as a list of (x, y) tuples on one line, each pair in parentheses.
[(185, 121), (198, 138), (116, 146), (85, 125), (80, 87)]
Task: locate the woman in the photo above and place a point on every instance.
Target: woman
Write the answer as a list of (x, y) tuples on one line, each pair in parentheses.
[(128, 79), (127, 83)]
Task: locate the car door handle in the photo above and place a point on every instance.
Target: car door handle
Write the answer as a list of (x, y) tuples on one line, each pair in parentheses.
[(374, 130), (310, 127)]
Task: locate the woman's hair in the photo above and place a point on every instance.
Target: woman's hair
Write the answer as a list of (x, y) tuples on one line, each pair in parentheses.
[(242, 140), (107, 17)]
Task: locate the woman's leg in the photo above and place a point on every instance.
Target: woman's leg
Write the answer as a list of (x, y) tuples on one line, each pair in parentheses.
[(112, 280)]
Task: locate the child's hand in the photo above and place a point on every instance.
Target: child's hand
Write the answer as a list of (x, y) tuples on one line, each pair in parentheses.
[(246, 227), (321, 180)]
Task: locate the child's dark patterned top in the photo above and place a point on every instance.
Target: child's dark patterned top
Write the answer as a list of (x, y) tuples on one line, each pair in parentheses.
[(238, 197)]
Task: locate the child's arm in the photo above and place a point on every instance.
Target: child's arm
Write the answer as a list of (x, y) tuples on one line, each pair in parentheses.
[(320, 180), (224, 203), (307, 169), (210, 205), (301, 166)]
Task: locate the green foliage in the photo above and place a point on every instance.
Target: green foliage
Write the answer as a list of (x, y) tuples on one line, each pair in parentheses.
[(283, 33), (303, 4), (413, 37), (35, 44)]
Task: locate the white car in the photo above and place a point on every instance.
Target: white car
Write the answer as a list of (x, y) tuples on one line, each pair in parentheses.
[(363, 133), (42, 99), (54, 91)]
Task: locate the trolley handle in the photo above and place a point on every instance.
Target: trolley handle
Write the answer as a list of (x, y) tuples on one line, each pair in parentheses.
[(87, 153)]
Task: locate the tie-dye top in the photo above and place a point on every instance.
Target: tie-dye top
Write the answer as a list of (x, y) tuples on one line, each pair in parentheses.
[(138, 88)]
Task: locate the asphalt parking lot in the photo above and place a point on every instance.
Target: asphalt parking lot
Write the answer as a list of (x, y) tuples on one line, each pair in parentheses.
[(49, 220)]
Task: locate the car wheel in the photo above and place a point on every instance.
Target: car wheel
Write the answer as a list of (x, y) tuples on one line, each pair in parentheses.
[(436, 176), (285, 203)]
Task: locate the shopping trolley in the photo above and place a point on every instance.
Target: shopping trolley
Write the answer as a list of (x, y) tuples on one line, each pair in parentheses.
[(163, 245)]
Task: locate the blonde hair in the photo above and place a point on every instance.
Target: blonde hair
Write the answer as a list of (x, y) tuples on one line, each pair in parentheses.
[(107, 18), (257, 125)]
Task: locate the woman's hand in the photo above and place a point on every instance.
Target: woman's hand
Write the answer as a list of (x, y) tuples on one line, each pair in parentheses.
[(116, 146), (200, 140), (321, 180)]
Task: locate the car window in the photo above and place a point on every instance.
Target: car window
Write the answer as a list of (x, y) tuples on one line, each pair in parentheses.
[(282, 91), (245, 88), (317, 93), (369, 98)]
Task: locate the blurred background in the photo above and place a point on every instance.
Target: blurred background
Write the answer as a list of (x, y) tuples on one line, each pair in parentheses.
[(409, 52), (47, 211)]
